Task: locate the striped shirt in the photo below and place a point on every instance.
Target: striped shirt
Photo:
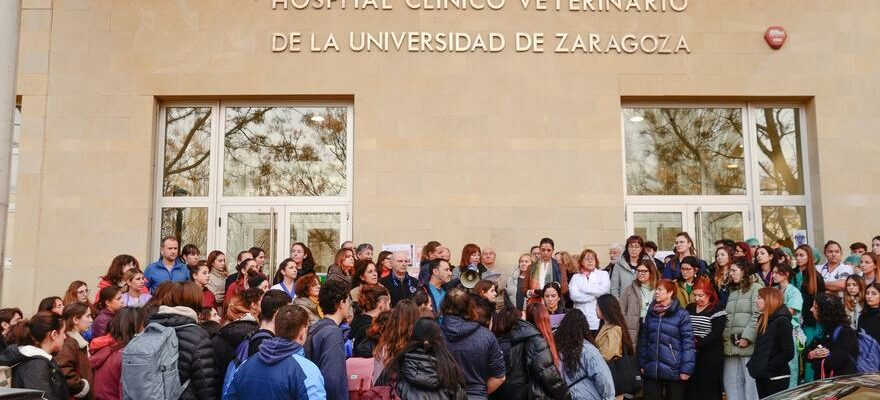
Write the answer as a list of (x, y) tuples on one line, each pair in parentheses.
[(702, 321)]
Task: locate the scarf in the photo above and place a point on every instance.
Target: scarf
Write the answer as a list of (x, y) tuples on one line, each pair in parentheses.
[(317, 306), (660, 309)]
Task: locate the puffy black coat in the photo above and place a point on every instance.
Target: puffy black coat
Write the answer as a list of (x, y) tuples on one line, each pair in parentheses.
[(226, 342), (531, 373), (35, 372), (773, 348), (196, 361), (418, 379)]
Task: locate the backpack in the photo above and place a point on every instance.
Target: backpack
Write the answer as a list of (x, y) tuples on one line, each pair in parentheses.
[(869, 351), (149, 365), (241, 355), (360, 376)]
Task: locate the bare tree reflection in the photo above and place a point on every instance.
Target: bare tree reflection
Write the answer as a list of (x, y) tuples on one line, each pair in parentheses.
[(189, 224), (284, 151), (684, 151), (187, 149), (780, 145)]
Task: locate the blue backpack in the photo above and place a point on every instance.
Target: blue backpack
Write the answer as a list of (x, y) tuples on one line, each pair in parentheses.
[(869, 351), (241, 355)]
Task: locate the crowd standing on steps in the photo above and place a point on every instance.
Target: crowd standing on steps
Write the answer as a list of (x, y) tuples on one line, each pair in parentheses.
[(753, 320)]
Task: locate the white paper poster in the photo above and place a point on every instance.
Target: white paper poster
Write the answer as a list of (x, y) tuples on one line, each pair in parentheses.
[(799, 238), (410, 256)]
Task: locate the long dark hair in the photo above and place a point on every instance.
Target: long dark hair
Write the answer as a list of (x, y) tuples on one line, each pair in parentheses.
[(126, 323), (831, 311), (612, 314), (114, 272), (426, 337), (570, 336), (34, 331)]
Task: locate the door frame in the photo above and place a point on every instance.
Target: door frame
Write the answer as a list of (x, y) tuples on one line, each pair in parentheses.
[(282, 212), (688, 220)]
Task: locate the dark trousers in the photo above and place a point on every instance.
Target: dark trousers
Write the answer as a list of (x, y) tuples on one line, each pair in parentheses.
[(654, 389), (767, 387)]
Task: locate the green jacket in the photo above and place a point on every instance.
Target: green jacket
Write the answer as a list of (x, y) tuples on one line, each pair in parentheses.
[(742, 319)]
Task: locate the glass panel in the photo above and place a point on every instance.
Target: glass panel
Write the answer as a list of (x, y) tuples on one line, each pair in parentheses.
[(245, 230), (717, 225), (779, 151), (187, 151), (684, 151), (659, 227), (284, 151), (319, 231), (189, 224), (781, 222)]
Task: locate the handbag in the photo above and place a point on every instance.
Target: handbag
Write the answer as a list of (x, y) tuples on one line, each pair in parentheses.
[(626, 374)]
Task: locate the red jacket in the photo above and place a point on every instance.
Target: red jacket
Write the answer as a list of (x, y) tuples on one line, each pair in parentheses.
[(208, 299), (106, 361)]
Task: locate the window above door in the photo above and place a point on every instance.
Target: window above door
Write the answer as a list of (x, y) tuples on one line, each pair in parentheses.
[(253, 154), (747, 156)]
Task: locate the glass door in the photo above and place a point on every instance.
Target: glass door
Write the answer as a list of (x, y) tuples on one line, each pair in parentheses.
[(243, 227), (705, 224), (276, 228), (322, 229)]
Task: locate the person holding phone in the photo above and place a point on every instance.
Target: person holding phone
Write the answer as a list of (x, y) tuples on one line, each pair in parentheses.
[(834, 353), (740, 332)]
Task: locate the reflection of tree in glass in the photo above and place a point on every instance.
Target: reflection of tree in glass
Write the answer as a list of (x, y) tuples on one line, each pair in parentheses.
[(284, 151), (190, 225), (681, 151), (780, 222), (187, 148), (780, 145)]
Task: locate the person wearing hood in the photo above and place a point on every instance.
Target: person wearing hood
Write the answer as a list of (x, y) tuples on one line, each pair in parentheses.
[(425, 370), (179, 310), (326, 340), (472, 345), (532, 361), (73, 359), (280, 370), (106, 352), (666, 345), (773, 345), (29, 355), (626, 264)]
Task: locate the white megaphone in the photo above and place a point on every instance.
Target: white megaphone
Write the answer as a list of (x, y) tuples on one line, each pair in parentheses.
[(470, 276)]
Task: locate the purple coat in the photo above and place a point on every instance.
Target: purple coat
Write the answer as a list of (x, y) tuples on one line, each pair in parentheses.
[(99, 326)]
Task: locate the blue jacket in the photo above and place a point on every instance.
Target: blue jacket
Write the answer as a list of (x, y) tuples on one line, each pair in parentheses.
[(279, 371), (666, 344), (156, 274), (326, 348), (593, 381), (477, 351)]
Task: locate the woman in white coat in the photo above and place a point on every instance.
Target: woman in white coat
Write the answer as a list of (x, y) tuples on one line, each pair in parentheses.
[(586, 286)]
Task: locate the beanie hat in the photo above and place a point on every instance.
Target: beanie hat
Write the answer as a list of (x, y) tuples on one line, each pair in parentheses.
[(753, 242)]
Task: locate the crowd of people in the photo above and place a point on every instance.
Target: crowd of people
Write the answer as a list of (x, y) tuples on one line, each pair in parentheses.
[(755, 320)]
